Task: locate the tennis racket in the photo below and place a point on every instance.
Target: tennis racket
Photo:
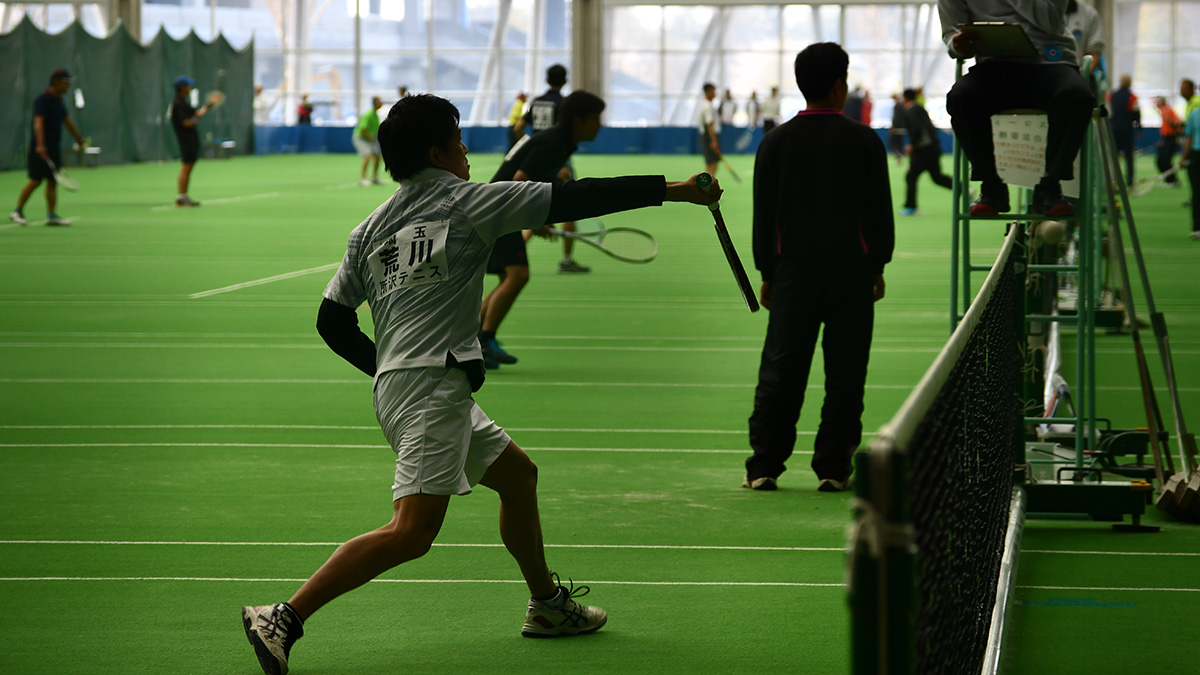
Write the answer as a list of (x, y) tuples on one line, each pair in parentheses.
[(64, 180), (215, 98), (732, 173), (1145, 186), (704, 181), (623, 243), (744, 140)]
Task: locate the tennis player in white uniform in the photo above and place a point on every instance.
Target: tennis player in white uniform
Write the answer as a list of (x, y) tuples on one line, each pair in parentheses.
[(419, 262)]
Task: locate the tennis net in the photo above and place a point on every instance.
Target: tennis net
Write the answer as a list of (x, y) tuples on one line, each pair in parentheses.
[(935, 507)]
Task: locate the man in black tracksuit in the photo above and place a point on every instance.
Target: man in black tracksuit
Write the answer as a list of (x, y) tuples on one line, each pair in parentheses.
[(924, 151), (823, 231)]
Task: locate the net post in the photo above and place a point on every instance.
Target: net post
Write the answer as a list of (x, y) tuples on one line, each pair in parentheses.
[(1020, 262)]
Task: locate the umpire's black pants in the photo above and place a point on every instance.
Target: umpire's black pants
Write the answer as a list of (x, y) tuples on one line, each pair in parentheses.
[(924, 159), (993, 86), (803, 297)]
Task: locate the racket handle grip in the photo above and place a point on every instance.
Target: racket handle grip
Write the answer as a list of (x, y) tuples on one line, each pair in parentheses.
[(704, 181)]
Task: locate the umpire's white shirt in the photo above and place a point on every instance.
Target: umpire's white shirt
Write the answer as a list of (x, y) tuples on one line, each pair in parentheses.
[(419, 261)]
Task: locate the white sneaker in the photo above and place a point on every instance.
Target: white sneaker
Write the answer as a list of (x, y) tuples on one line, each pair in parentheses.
[(17, 218), (364, 182), (56, 221), (1195, 235), (561, 615), (761, 483), (272, 629), (833, 485), (376, 181)]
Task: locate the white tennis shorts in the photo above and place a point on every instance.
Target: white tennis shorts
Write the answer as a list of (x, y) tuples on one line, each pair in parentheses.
[(443, 441), (364, 147)]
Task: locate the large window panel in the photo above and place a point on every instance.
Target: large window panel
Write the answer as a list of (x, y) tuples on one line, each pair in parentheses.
[(635, 72), (687, 26), (1187, 25), (456, 73), (751, 28), (751, 72), (638, 27), (638, 111), (873, 27)]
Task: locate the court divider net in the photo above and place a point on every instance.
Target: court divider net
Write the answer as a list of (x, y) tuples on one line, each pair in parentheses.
[(937, 518)]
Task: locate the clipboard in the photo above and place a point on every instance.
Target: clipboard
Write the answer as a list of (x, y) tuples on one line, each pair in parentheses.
[(1000, 40)]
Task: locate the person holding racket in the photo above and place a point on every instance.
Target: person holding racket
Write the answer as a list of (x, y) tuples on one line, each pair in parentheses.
[(823, 231), (184, 120), (542, 157), (709, 123), (419, 262), (45, 147)]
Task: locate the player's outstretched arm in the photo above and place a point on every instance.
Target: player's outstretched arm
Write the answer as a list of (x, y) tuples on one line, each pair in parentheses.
[(338, 326), (594, 197)]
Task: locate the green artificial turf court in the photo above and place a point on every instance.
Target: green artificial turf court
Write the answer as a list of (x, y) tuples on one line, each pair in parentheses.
[(172, 448)]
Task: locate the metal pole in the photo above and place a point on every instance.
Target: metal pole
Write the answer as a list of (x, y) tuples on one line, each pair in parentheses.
[(358, 93)]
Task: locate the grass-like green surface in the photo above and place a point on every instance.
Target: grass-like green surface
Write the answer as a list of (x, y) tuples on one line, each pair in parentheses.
[(166, 458)]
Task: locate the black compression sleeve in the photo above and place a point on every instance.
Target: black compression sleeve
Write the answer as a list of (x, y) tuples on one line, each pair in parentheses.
[(592, 197), (338, 326)]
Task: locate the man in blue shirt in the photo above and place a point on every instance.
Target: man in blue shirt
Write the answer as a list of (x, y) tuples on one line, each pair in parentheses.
[(1191, 144), (45, 146)]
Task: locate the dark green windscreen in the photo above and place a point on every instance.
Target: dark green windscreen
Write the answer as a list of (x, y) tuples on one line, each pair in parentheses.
[(126, 88)]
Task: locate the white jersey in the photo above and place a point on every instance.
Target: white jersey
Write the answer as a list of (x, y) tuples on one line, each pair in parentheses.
[(708, 115), (770, 109), (1085, 26), (419, 261)]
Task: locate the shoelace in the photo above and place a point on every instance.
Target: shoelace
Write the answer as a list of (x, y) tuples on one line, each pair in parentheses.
[(275, 625), (571, 609)]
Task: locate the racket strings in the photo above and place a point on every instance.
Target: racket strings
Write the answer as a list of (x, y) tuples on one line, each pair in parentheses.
[(629, 244)]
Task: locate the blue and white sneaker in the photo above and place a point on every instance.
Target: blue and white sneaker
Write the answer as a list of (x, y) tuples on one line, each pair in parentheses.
[(272, 629), (494, 353), (561, 615)]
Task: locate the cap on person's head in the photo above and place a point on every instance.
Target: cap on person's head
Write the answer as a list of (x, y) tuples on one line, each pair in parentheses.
[(184, 81), (60, 75)]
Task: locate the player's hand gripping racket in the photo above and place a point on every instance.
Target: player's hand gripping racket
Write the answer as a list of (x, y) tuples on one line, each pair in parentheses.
[(215, 98), (704, 181), (64, 181), (626, 244)]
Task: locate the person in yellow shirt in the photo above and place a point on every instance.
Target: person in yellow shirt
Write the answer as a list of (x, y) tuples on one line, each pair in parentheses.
[(516, 120)]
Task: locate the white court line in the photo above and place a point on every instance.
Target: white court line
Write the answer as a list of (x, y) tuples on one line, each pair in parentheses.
[(38, 223), (223, 200), (596, 582), (1132, 553), (1111, 588), (331, 427), (651, 547), (69, 542), (548, 338), (491, 383), (265, 280), (375, 446), (767, 584), (664, 349), (668, 349)]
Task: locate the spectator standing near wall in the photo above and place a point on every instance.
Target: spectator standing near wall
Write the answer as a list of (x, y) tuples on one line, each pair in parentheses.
[(1126, 120)]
